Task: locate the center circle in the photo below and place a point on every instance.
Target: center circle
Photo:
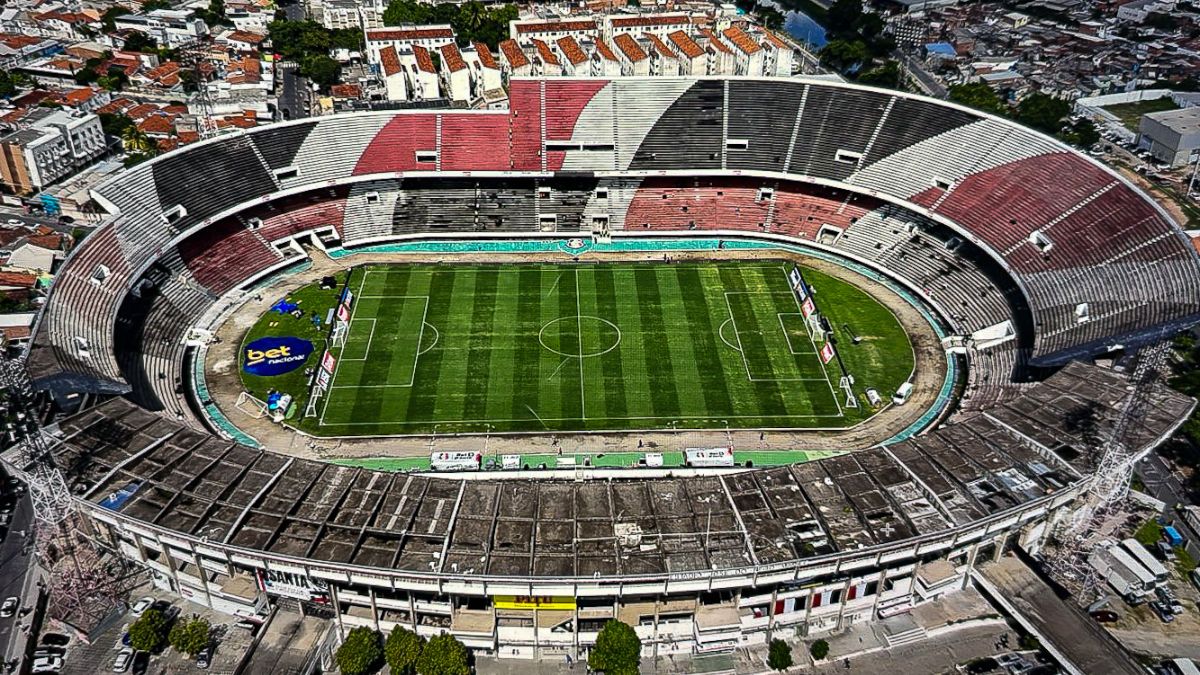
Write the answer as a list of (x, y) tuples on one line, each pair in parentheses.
[(564, 336)]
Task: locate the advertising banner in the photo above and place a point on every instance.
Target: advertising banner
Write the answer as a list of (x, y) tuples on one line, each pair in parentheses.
[(289, 585), (269, 356), (827, 352), (343, 314), (808, 308), (328, 362), (534, 602)]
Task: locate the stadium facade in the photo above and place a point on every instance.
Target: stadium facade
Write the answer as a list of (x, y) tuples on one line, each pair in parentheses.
[(1031, 254)]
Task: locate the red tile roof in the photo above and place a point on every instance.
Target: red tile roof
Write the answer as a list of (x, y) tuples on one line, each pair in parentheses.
[(513, 54), (189, 136), (740, 40), (485, 55), (645, 21), (452, 58), (570, 49), (246, 36), (605, 50), (544, 51), (157, 124), (140, 111), (390, 61), (660, 46), (424, 61), (556, 26), (116, 105), (18, 279), (346, 91), (715, 41), (629, 47), (408, 33), (77, 96), (775, 40), (685, 44)]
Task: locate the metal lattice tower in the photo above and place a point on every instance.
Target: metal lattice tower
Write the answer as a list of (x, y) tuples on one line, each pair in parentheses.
[(1113, 475), (80, 591)]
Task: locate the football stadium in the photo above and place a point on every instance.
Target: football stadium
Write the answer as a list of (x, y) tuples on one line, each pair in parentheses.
[(721, 358)]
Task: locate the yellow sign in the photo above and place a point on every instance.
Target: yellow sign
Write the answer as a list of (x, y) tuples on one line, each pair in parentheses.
[(534, 602)]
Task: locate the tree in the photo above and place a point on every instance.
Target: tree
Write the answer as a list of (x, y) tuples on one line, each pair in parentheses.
[(135, 141), (190, 637), (149, 632), (779, 656), (109, 18), (402, 650), (843, 18), (361, 653), (1042, 112), (321, 69), (140, 42), (845, 56), (151, 5), (1082, 134), (819, 650), (618, 650), (887, 75), (444, 655), (978, 96)]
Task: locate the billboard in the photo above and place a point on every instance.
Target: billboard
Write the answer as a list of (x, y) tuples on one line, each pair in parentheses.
[(534, 602), (808, 308), (290, 585), (343, 314), (328, 362), (275, 355), (827, 352)]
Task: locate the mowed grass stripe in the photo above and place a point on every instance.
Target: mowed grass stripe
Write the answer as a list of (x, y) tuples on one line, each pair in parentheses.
[(680, 341), (525, 381), (481, 345), (633, 351), (703, 321), (611, 366), (422, 401), (369, 404), (497, 382), (658, 359), (765, 392)]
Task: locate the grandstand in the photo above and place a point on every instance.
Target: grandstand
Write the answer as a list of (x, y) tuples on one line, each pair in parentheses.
[(929, 196)]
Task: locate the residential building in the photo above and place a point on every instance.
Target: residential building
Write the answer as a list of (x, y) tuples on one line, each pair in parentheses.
[(48, 146)]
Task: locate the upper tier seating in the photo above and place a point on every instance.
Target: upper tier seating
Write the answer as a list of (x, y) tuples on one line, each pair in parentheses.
[(1098, 262)]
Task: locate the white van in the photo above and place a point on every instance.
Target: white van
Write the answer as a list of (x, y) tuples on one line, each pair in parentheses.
[(902, 394), (653, 460)]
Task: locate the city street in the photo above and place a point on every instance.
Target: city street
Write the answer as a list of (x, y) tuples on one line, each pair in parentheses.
[(293, 102), (13, 567)]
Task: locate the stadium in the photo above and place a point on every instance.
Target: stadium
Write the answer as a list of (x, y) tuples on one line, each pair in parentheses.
[(899, 297)]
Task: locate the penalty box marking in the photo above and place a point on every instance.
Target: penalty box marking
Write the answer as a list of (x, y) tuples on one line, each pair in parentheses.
[(742, 350)]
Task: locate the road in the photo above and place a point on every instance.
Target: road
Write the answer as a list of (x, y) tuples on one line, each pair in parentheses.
[(928, 83), (294, 96), (13, 567)]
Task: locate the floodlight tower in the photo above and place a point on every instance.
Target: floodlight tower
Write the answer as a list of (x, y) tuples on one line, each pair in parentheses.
[(1114, 473), (79, 591)]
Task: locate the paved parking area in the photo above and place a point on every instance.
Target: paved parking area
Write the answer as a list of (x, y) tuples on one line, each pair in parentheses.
[(231, 642)]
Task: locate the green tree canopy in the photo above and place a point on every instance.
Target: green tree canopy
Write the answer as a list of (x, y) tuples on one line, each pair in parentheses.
[(321, 69), (149, 632), (1043, 112), (444, 655), (779, 655), (886, 75), (472, 21), (402, 650), (819, 649), (190, 637), (845, 56), (978, 96), (361, 653), (618, 650)]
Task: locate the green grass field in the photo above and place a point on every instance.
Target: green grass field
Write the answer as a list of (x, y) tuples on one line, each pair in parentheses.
[(1130, 114), (452, 349)]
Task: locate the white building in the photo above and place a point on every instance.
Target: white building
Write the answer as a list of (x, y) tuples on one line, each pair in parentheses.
[(404, 38), (51, 145), (169, 27), (455, 74)]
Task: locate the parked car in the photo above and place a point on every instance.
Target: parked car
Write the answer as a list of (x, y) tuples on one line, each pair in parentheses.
[(56, 639), (204, 658), (1105, 616), (139, 608), (141, 661), (9, 607), (1163, 612), (51, 664), (124, 657)]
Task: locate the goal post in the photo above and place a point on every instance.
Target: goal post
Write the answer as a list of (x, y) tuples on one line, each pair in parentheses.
[(250, 405)]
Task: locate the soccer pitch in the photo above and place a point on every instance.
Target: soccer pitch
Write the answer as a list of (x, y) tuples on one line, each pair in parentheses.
[(620, 346)]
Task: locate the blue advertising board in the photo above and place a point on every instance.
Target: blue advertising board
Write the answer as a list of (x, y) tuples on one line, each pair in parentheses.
[(275, 355)]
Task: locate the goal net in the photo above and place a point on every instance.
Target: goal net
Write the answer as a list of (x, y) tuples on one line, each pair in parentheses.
[(251, 406)]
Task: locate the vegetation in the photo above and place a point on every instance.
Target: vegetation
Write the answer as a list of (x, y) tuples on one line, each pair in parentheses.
[(361, 653), (11, 81), (978, 96), (191, 637), (444, 655), (768, 16), (149, 632), (1042, 112), (1082, 134), (887, 75), (402, 650), (1130, 114), (309, 44), (472, 21), (618, 650), (819, 650), (779, 655)]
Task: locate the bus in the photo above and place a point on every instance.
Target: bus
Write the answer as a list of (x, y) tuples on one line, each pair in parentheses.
[(455, 461), (709, 457)]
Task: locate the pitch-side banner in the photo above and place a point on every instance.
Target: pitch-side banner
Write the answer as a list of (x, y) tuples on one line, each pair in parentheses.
[(826, 352), (808, 307), (343, 314), (347, 296), (328, 362), (798, 283)]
